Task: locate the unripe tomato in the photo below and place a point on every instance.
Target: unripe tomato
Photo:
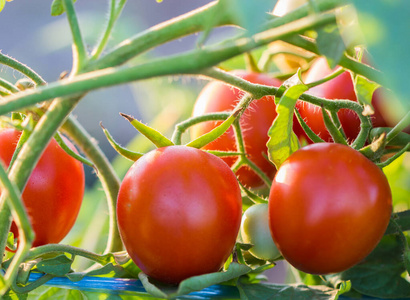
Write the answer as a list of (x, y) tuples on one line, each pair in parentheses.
[(255, 230), (340, 87), (329, 206), (179, 211), (54, 191), (255, 123)]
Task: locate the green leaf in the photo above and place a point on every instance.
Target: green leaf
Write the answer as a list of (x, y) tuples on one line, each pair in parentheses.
[(153, 135), (283, 291), (109, 270), (57, 7), (214, 133), (151, 287), (58, 266), (364, 89), (380, 274), (10, 295), (282, 140), (192, 284), (198, 283), (330, 44), (385, 25)]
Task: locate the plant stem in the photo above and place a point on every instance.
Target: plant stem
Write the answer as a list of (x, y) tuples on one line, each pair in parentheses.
[(22, 68), (187, 63), (115, 12), (26, 235), (404, 122), (8, 86), (109, 180), (79, 51), (183, 25)]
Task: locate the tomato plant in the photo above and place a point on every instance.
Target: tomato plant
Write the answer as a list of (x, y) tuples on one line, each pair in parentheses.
[(184, 205), (54, 191), (340, 87), (255, 230), (255, 123), (322, 200)]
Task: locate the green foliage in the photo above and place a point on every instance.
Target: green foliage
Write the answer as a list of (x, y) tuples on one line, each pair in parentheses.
[(57, 7), (282, 140), (380, 274)]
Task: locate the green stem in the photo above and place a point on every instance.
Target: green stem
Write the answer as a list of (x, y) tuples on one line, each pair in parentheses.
[(8, 86), (33, 285), (175, 28), (33, 148), (26, 234), (394, 157), (109, 180), (22, 68), (333, 130), (79, 49), (345, 62), (309, 132), (404, 122), (180, 128), (115, 12), (334, 74), (188, 63)]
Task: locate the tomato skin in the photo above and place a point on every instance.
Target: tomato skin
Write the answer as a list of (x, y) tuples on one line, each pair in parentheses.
[(179, 211), (329, 206), (54, 192), (255, 123), (255, 230), (340, 87)]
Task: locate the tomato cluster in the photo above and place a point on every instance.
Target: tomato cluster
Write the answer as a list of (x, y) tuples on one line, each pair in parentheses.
[(54, 191)]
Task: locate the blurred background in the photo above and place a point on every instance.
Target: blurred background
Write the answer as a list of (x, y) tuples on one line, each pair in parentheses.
[(31, 35)]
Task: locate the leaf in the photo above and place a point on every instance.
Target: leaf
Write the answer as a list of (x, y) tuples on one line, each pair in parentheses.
[(283, 291), (214, 133), (364, 90), (282, 140), (198, 283), (153, 135), (109, 270), (192, 284), (58, 266), (380, 274), (57, 7), (385, 24), (10, 295), (330, 44)]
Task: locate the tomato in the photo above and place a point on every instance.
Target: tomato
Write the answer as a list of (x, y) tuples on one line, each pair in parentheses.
[(340, 87), (255, 123), (54, 191), (179, 211), (329, 206), (255, 230)]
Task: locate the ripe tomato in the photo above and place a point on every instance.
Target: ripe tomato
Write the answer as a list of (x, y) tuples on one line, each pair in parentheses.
[(255, 230), (329, 206), (340, 87), (255, 123), (54, 191), (179, 211)]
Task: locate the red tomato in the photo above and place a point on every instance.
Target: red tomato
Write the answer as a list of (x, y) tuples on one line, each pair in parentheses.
[(54, 191), (340, 87), (179, 211), (329, 206), (255, 123)]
